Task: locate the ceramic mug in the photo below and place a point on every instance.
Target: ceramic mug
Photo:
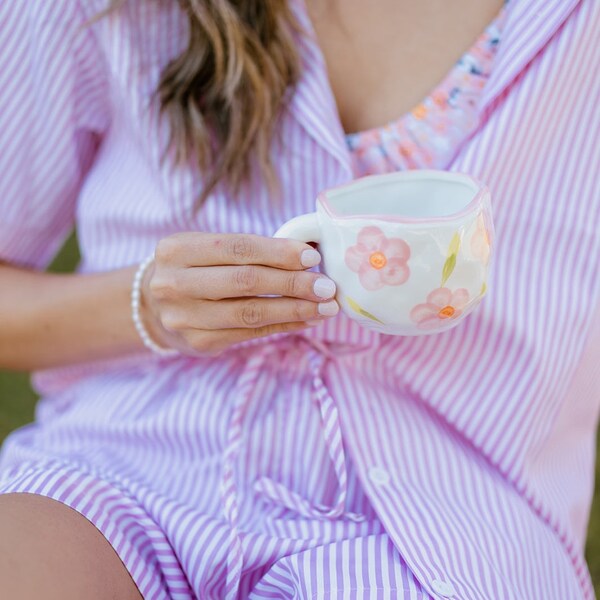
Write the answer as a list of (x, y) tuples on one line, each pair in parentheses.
[(408, 251)]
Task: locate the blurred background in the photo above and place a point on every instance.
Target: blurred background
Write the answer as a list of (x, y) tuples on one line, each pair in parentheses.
[(17, 404)]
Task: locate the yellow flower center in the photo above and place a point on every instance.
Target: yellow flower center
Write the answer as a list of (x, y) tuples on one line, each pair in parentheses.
[(419, 111), (378, 260), (446, 312)]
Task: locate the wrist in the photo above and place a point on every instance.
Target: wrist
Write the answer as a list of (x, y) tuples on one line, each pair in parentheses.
[(151, 333)]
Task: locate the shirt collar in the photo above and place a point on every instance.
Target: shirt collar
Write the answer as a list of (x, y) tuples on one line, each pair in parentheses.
[(313, 103), (529, 26)]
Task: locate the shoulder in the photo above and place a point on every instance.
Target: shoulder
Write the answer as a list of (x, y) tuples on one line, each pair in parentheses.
[(38, 15), (56, 32)]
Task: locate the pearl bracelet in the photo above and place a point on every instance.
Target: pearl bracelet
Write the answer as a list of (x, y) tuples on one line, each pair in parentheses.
[(135, 311)]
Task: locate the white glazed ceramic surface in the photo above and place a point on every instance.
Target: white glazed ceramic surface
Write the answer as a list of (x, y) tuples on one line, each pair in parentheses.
[(409, 251)]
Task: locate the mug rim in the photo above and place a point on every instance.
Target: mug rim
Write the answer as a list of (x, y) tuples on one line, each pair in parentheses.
[(482, 192)]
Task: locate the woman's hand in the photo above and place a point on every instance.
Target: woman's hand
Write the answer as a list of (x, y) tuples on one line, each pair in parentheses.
[(205, 292)]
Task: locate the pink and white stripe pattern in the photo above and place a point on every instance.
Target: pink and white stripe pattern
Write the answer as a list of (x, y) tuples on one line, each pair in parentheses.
[(341, 462)]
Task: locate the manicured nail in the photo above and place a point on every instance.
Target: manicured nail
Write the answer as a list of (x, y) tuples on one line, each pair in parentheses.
[(310, 258), (329, 309), (324, 288)]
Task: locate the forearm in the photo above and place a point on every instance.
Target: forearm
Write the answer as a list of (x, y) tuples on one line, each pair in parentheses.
[(49, 320), (203, 294)]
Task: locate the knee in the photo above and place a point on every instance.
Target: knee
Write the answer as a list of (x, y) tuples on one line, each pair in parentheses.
[(49, 551)]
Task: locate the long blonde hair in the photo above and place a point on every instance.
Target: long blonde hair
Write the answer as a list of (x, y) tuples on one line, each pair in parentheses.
[(224, 93)]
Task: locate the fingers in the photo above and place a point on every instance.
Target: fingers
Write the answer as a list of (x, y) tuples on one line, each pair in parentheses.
[(208, 249), (209, 343), (215, 283), (246, 313), (207, 291)]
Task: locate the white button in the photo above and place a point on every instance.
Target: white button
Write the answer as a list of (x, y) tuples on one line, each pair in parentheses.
[(379, 476), (443, 588)]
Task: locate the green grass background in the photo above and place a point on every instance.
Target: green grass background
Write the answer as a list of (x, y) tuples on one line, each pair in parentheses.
[(17, 403)]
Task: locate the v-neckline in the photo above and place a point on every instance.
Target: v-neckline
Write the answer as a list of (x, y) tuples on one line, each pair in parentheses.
[(310, 30), (497, 22), (528, 27)]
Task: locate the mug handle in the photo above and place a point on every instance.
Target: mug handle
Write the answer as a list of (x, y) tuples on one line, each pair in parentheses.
[(304, 228)]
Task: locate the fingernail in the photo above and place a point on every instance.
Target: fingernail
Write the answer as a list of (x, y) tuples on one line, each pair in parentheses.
[(324, 288), (310, 258), (329, 309)]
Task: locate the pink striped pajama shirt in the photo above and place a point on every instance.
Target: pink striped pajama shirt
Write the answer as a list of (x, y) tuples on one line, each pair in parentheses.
[(340, 463)]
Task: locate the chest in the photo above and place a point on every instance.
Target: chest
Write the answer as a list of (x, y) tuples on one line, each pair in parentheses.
[(384, 56)]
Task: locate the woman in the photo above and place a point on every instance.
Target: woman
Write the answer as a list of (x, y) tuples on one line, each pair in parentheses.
[(255, 443)]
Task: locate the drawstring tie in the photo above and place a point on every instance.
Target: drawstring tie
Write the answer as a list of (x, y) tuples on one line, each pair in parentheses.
[(318, 353)]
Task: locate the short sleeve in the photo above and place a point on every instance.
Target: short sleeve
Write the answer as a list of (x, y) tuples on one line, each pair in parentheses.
[(54, 109)]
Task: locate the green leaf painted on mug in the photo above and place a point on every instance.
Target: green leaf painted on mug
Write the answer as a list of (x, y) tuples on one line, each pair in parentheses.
[(451, 260), (448, 268), (361, 311), (454, 244), (483, 289)]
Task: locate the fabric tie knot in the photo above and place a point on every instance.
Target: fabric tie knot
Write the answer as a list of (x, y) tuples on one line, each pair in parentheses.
[(318, 354)]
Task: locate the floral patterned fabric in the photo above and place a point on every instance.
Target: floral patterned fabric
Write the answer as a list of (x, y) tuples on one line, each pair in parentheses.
[(430, 135)]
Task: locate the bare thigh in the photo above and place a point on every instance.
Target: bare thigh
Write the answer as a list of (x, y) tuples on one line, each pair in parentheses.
[(48, 550)]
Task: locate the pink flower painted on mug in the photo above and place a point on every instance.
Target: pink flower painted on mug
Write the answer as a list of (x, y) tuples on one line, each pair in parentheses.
[(442, 305), (378, 260)]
